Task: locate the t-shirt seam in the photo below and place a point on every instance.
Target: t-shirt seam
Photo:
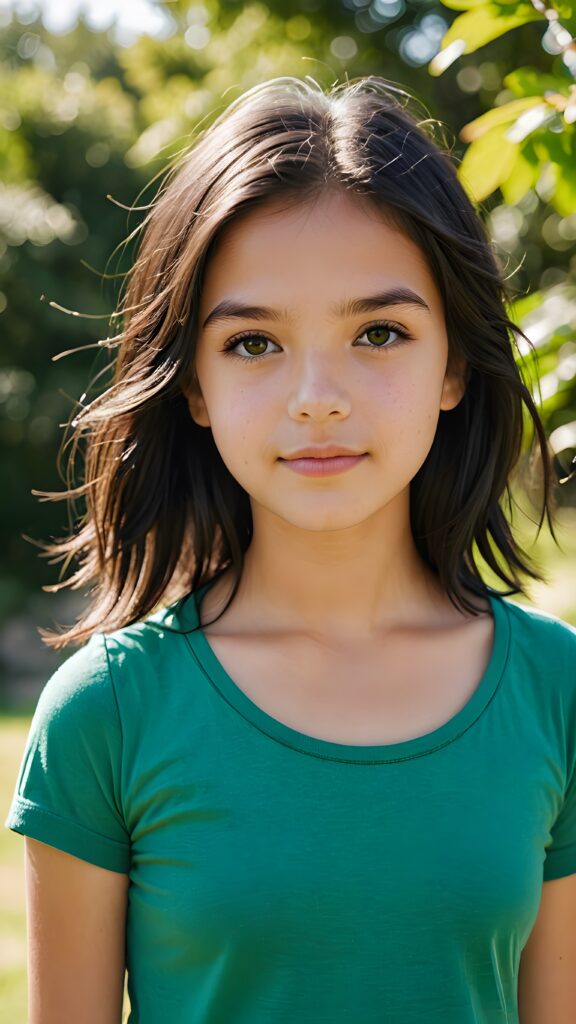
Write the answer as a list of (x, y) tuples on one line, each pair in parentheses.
[(350, 760), (555, 848), (113, 687), (110, 676), (26, 803)]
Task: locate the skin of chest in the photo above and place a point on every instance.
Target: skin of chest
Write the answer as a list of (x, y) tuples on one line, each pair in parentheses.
[(407, 684)]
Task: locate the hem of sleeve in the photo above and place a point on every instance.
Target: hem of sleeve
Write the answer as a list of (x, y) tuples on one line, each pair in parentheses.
[(560, 863), (31, 820)]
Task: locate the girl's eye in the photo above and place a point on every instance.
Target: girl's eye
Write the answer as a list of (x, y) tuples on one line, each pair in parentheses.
[(383, 332), (380, 341)]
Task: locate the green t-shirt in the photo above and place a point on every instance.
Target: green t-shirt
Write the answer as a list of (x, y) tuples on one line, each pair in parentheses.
[(279, 878)]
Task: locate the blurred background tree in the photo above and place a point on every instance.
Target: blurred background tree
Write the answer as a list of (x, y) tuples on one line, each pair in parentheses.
[(525, 146), (89, 118)]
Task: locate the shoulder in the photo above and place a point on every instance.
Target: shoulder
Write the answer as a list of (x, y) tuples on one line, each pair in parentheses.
[(147, 659), (542, 646), (68, 791), (88, 678), (76, 719), (530, 622), (82, 681), (158, 636)]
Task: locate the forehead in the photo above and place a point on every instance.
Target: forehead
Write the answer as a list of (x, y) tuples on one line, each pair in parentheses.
[(312, 249)]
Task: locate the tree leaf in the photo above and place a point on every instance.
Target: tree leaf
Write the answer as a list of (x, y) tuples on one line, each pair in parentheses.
[(531, 82), (505, 114), (530, 121), (480, 25), (523, 176), (564, 198), (524, 305), (557, 147), (463, 5), (487, 162)]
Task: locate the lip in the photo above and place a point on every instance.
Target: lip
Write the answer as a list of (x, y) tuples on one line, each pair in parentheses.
[(329, 451), (324, 466)]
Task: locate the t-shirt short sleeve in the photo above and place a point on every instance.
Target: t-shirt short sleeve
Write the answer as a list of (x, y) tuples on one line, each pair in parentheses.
[(561, 854), (68, 789)]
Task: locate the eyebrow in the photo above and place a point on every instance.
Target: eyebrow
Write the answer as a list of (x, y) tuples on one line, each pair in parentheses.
[(229, 309)]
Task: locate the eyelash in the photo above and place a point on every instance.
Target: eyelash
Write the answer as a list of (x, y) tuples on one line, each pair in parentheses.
[(403, 336)]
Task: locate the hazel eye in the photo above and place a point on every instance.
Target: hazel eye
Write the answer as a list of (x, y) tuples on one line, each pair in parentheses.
[(254, 339), (383, 343), (250, 338), (381, 330)]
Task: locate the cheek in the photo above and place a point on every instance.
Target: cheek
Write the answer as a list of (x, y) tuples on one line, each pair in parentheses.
[(241, 412), (410, 398), (407, 410), (239, 428)]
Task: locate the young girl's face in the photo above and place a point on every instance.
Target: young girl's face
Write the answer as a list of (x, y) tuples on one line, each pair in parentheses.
[(373, 379)]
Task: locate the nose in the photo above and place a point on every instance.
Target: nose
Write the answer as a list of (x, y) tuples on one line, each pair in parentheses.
[(318, 388)]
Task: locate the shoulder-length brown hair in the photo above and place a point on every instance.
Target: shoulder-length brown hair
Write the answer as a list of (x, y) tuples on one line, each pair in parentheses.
[(163, 513)]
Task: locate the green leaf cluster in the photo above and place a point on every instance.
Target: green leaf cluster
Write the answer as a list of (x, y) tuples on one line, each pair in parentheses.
[(525, 144)]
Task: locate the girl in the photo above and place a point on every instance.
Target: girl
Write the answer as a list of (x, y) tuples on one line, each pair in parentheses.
[(306, 765)]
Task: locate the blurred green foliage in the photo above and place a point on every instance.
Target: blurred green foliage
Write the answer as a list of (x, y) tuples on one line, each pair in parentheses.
[(525, 145), (88, 123)]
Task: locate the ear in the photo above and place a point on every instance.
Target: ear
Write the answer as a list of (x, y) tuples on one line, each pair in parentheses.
[(454, 385), (196, 403)]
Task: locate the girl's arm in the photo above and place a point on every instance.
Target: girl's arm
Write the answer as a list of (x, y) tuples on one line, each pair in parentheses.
[(76, 915), (547, 979)]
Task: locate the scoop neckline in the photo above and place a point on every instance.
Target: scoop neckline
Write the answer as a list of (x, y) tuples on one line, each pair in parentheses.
[(418, 746)]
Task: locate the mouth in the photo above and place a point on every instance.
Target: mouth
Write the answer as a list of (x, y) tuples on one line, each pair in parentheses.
[(334, 453), (322, 458), (322, 466)]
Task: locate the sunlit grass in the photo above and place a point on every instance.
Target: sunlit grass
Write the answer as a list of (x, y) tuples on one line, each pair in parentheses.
[(13, 986)]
